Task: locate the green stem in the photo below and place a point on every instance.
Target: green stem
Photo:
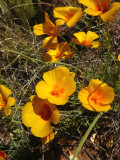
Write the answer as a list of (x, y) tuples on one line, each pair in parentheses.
[(34, 60), (87, 134), (14, 107)]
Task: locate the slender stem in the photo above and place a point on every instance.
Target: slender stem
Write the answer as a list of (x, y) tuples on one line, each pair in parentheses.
[(87, 134), (14, 107)]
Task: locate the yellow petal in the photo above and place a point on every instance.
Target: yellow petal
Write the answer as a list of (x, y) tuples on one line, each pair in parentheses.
[(94, 84), (106, 93), (92, 12), (60, 22), (87, 3), (50, 42), (109, 15), (31, 97), (55, 114), (95, 44), (7, 111), (29, 118), (90, 36), (58, 100), (10, 102), (119, 57), (83, 95), (42, 89), (61, 12), (98, 108), (38, 29), (4, 91), (75, 18), (48, 138), (41, 128), (81, 36), (55, 76)]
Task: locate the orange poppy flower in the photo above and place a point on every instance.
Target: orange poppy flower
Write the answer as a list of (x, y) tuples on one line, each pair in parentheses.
[(62, 51), (119, 57), (86, 39), (3, 155), (102, 8), (38, 114), (57, 86), (97, 96), (47, 28), (69, 15), (5, 100)]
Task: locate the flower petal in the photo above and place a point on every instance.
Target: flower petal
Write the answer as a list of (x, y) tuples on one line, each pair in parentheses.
[(90, 36), (95, 44), (87, 3), (92, 12), (94, 84), (38, 29), (61, 12), (83, 95), (48, 138), (10, 101), (29, 118), (55, 114), (50, 42), (42, 89), (7, 111), (81, 36), (41, 128), (75, 41), (60, 22), (75, 18), (109, 15), (59, 100), (5, 92)]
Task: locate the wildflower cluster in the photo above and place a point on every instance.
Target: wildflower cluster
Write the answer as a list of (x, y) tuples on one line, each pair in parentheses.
[(59, 84)]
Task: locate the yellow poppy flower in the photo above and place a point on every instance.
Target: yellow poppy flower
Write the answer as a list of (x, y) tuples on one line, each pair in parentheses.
[(5, 100), (86, 39), (47, 28), (102, 8), (38, 114), (69, 15), (48, 138), (3, 155), (62, 51), (57, 86), (119, 57), (97, 96)]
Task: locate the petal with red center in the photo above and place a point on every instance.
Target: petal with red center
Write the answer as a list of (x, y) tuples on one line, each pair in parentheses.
[(92, 12), (42, 89), (90, 36), (81, 36), (50, 42), (94, 84), (83, 95), (41, 128), (4, 91), (106, 94), (75, 18), (29, 118), (113, 10)]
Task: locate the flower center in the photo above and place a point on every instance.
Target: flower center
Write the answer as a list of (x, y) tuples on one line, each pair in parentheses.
[(85, 43), (46, 112), (58, 55), (57, 91), (69, 16), (95, 98), (103, 7), (3, 102)]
